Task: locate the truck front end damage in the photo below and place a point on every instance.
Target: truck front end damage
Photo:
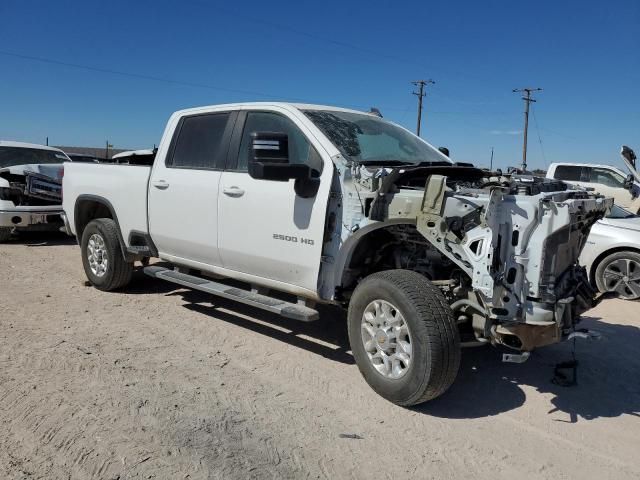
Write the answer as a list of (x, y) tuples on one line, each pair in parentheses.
[(31, 197), (506, 248), (521, 258)]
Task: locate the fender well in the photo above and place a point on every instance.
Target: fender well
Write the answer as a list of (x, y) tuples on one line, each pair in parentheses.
[(357, 246), (90, 207)]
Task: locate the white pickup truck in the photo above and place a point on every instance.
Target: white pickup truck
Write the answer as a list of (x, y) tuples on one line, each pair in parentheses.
[(311, 204), (607, 180)]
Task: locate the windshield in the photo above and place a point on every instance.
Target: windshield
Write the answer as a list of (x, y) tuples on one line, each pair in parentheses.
[(619, 212), (367, 139), (10, 156)]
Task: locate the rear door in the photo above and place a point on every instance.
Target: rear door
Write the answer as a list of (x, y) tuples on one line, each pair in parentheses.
[(183, 190), (266, 229), (568, 173)]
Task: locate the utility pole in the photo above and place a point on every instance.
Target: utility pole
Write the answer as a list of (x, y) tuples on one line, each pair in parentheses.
[(491, 161), (420, 94), (47, 141), (527, 101)]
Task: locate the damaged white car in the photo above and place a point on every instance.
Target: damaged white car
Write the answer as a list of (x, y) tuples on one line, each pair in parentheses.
[(30, 187), (338, 206)]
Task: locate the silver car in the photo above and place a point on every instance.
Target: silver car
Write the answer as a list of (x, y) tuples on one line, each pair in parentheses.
[(612, 254)]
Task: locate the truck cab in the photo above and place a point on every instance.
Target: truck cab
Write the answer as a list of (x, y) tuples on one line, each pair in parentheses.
[(605, 179), (310, 203)]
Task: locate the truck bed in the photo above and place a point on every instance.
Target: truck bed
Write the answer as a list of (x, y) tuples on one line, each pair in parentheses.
[(124, 187)]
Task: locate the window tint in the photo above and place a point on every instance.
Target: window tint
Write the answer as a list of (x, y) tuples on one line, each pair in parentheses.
[(568, 172), (300, 150), (606, 177), (199, 142)]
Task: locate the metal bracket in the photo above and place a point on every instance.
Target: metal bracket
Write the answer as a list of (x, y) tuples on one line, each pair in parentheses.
[(515, 357)]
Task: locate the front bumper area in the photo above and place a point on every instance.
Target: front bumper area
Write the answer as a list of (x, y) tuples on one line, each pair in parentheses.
[(26, 216)]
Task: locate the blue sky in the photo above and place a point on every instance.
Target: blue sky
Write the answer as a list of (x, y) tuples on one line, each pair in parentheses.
[(585, 54)]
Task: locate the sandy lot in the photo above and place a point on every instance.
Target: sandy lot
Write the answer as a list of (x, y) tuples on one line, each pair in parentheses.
[(159, 382)]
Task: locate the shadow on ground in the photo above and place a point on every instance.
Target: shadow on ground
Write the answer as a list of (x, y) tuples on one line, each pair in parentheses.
[(607, 375), (608, 369), (40, 239)]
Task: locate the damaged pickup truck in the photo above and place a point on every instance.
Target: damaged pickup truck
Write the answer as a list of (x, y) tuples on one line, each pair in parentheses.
[(309, 204), (30, 187)]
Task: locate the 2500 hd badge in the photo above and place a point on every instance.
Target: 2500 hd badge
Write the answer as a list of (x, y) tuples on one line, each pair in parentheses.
[(292, 238)]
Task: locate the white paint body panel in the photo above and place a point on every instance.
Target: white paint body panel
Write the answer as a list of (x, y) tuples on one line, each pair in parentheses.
[(124, 186)]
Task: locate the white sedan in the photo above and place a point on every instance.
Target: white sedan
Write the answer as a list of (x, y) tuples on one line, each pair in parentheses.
[(612, 254)]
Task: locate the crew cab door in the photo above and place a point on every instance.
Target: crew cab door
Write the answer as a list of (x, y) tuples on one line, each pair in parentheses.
[(265, 228), (183, 189)]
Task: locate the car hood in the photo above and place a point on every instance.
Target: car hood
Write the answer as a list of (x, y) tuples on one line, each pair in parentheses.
[(52, 170)]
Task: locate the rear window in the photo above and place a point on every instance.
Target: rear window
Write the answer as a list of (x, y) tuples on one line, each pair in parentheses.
[(199, 142), (10, 156), (568, 172)]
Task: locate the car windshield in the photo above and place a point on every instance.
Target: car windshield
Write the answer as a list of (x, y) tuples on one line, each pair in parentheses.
[(10, 156), (367, 139), (619, 212)]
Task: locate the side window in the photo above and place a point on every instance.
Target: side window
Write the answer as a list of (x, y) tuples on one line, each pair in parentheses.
[(570, 173), (606, 177), (300, 150), (199, 142)]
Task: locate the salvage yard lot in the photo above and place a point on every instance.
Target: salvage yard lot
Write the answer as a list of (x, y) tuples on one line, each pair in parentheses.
[(160, 382)]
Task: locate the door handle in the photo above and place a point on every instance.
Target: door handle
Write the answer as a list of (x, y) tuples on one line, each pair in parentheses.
[(161, 184), (233, 191)]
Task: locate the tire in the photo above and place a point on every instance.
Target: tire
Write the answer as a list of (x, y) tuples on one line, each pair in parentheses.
[(5, 234), (431, 330), (620, 273), (100, 242)]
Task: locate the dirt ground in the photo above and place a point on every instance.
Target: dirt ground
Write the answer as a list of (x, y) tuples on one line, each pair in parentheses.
[(159, 382)]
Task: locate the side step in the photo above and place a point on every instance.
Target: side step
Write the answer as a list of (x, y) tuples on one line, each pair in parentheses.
[(275, 305)]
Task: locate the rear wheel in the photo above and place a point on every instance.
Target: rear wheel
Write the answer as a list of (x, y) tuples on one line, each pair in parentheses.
[(620, 273), (102, 257), (403, 337)]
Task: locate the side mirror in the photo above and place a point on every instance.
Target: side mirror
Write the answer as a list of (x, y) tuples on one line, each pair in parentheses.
[(269, 158)]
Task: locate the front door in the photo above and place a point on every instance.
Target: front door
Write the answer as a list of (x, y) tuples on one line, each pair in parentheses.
[(183, 190), (266, 229), (608, 183)]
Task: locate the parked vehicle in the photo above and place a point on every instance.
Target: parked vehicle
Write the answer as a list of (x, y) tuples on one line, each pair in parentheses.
[(605, 179), (135, 157), (30, 187), (83, 157), (338, 206), (612, 254)]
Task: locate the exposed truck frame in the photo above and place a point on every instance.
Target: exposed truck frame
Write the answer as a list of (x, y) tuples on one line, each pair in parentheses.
[(423, 254)]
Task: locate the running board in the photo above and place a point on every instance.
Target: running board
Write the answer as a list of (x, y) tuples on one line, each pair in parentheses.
[(275, 305)]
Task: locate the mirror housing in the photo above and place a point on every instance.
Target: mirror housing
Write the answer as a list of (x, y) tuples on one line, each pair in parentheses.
[(628, 182), (269, 158)]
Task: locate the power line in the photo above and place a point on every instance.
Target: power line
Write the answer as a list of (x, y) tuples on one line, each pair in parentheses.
[(138, 75), (527, 101), (421, 94)]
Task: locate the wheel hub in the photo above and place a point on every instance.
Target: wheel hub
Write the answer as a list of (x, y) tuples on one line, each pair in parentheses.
[(622, 276), (97, 255), (386, 339)]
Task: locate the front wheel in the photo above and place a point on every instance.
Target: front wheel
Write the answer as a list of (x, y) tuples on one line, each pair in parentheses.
[(102, 257), (403, 336), (620, 273)]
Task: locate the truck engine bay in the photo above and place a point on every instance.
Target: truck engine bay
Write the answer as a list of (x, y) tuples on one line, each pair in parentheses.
[(503, 248)]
